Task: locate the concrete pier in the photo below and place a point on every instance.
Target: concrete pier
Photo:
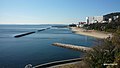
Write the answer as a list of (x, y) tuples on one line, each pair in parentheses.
[(73, 47)]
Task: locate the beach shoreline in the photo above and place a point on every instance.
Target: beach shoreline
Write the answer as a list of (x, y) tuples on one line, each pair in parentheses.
[(92, 33)]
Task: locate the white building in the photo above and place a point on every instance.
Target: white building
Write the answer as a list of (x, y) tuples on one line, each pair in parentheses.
[(94, 19)]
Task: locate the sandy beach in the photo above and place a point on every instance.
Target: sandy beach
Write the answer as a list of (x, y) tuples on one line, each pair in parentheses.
[(93, 33)]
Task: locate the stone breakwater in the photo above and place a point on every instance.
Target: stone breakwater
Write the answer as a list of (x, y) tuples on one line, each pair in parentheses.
[(17, 36), (73, 47), (28, 33)]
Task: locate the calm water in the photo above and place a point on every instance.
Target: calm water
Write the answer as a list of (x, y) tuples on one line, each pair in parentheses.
[(36, 48)]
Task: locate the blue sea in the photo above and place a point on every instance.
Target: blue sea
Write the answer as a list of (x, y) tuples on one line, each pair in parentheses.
[(36, 48)]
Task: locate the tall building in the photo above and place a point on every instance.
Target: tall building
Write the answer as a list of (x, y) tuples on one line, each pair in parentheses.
[(94, 19)]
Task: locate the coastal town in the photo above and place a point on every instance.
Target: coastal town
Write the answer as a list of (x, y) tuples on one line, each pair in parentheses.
[(98, 19)]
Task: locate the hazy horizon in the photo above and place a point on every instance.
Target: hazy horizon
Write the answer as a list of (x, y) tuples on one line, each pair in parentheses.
[(53, 11)]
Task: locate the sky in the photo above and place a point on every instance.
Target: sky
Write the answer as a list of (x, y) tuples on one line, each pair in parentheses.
[(54, 11)]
